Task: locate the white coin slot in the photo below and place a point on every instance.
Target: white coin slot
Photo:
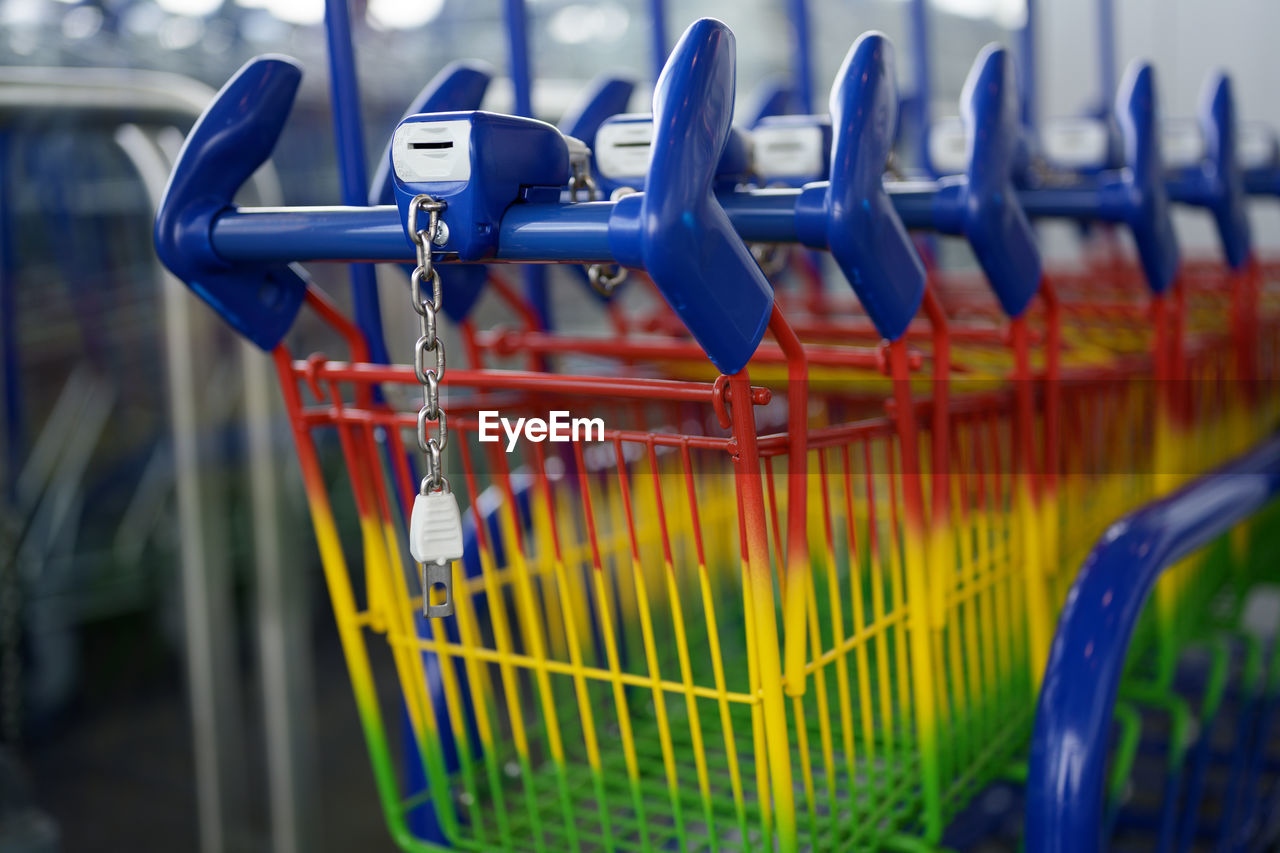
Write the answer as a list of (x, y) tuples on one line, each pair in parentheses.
[(1181, 143), (623, 149), (788, 151), (1075, 143), (948, 146), (432, 151), (1257, 146)]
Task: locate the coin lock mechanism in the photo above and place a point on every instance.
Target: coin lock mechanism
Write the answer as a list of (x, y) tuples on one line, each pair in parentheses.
[(455, 175)]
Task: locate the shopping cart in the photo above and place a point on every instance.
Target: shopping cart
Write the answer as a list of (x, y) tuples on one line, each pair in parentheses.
[(709, 619)]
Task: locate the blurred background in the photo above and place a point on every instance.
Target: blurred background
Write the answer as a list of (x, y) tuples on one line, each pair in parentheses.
[(169, 674)]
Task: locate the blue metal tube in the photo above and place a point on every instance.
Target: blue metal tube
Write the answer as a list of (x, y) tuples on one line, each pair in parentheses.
[(1066, 779), (802, 54), (1107, 78), (1262, 182), (556, 232), (1186, 186), (562, 232), (348, 134), (923, 92), (530, 232), (763, 216), (518, 54), (1027, 68), (1079, 203), (658, 35), (285, 234), (914, 202), (535, 279)]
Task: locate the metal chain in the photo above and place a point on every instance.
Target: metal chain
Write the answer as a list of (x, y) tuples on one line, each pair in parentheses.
[(581, 180), (429, 343), (606, 278)]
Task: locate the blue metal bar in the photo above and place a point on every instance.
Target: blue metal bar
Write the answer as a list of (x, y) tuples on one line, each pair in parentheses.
[(1081, 203), (287, 234), (802, 54), (1066, 779), (1108, 79), (658, 35), (348, 134), (529, 232), (1262, 182), (535, 278), (518, 55), (1027, 68), (921, 65), (1187, 186), (764, 216), (914, 202)]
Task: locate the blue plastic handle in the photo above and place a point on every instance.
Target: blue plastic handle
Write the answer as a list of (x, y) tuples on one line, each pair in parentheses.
[(1135, 196), (862, 229), (1066, 777), (675, 229), (458, 86), (1216, 183), (1222, 169), (233, 137), (986, 203), (1141, 189)]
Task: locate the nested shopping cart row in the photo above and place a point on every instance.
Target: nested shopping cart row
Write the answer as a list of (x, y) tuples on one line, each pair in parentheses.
[(799, 589)]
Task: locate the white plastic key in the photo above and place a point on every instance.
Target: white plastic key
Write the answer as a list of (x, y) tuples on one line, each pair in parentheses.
[(435, 541)]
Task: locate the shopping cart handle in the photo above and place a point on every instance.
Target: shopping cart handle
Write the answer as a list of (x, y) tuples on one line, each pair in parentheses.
[(458, 86), (851, 214), (1217, 183), (1069, 746), (986, 203), (1134, 196), (676, 229), (983, 205), (500, 178), (233, 137), (1139, 192)]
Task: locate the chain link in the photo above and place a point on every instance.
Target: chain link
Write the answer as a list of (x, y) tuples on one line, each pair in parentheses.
[(605, 278), (428, 310)]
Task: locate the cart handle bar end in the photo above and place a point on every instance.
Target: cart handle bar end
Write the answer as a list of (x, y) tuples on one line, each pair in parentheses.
[(232, 138), (861, 227), (676, 230), (983, 204), (1139, 193)]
